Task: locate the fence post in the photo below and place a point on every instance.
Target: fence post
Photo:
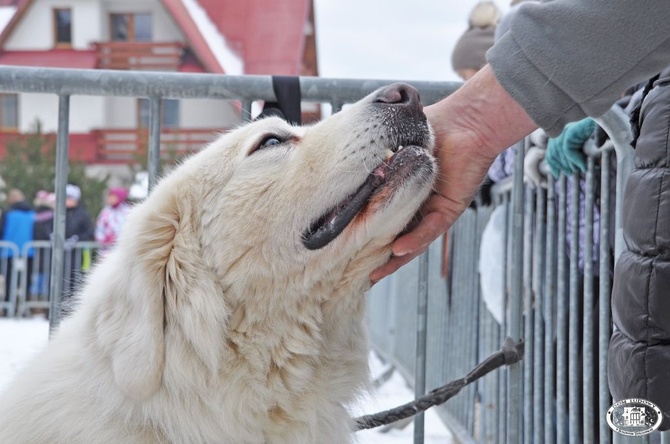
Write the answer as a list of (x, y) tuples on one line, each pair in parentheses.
[(62, 157), (154, 161), (515, 373), (421, 326)]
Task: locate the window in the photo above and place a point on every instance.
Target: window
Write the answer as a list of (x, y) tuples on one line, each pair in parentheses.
[(63, 27), (169, 113), (9, 112), (131, 27)]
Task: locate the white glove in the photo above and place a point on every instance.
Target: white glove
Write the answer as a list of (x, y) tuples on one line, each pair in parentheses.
[(539, 138), (531, 167)]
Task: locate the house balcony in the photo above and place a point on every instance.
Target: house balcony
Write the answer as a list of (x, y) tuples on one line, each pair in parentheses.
[(122, 146), (146, 56), (131, 145)]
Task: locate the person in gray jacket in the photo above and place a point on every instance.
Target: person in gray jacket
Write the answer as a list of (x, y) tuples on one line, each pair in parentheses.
[(561, 61)]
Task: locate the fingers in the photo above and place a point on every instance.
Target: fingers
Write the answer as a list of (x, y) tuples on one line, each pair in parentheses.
[(391, 267), (412, 244), (417, 240)]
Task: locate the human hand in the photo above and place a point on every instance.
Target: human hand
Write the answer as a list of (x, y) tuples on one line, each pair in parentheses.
[(471, 127), (564, 153)]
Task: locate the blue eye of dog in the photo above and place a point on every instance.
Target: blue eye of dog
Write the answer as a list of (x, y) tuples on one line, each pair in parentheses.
[(268, 142)]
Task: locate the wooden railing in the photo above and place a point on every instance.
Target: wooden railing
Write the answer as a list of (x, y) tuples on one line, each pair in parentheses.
[(164, 56), (122, 146), (130, 145)]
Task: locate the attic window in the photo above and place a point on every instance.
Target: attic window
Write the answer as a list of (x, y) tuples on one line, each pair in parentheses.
[(63, 27)]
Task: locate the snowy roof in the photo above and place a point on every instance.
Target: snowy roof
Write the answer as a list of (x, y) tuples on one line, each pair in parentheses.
[(6, 14), (227, 59), (204, 39)]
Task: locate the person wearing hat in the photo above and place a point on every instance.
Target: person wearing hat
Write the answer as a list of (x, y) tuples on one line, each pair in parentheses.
[(112, 217), (78, 227), (78, 222), (469, 54)]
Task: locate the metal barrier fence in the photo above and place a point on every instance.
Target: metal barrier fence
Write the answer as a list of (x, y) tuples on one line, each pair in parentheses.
[(157, 86), (551, 294), (26, 274), (429, 346)]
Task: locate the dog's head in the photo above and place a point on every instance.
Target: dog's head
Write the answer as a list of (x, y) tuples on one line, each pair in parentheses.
[(298, 194), (264, 208)]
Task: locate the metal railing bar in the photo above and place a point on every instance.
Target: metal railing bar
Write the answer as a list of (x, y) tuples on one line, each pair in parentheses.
[(574, 370), (100, 82), (562, 319), (588, 304), (528, 319), (515, 371), (62, 168), (551, 279), (538, 288), (421, 326), (154, 152)]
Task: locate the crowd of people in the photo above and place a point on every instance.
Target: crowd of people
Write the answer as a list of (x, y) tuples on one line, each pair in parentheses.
[(22, 222)]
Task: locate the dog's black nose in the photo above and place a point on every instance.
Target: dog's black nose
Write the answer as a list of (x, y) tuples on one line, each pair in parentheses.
[(399, 94)]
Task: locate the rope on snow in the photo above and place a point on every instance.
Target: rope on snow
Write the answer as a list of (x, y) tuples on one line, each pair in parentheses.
[(510, 353)]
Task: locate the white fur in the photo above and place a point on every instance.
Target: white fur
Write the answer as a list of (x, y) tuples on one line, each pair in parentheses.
[(210, 322)]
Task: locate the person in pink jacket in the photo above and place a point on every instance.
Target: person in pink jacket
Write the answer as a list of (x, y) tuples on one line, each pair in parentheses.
[(112, 217)]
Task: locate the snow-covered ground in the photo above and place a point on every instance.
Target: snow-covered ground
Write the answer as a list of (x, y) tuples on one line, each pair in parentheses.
[(20, 339)]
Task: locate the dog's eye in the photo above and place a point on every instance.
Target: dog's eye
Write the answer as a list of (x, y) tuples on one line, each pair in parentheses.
[(267, 142)]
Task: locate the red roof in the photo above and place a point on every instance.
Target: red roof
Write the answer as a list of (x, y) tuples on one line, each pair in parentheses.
[(55, 58), (193, 35), (269, 35)]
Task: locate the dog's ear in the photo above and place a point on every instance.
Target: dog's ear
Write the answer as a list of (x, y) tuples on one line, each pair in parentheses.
[(131, 321), (163, 284)]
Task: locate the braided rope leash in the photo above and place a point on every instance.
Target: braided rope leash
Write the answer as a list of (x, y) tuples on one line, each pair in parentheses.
[(510, 353)]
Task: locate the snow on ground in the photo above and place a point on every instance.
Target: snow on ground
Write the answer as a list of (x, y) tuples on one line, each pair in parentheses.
[(20, 339)]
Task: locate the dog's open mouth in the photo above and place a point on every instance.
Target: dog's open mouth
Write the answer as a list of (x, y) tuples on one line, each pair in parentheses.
[(392, 171)]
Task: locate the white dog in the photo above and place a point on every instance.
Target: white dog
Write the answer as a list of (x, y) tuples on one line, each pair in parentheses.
[(231, 310)]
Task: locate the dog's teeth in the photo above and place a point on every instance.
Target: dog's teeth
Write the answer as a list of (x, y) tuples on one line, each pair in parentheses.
[(389, 154)]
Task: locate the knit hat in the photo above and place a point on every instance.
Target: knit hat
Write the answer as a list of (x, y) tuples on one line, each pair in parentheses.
[(470, 50), (120, 193), (72, 192)]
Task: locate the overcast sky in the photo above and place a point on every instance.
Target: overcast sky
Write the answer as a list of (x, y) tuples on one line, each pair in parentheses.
[(390, 39)]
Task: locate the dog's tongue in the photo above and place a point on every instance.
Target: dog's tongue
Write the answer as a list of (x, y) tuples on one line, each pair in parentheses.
[(326, 229)]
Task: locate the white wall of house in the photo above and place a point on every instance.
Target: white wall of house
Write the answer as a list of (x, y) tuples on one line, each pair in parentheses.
[(91, 112), (90, 23), (203, 113), (122, 113), (36, 29), (86, 112)]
